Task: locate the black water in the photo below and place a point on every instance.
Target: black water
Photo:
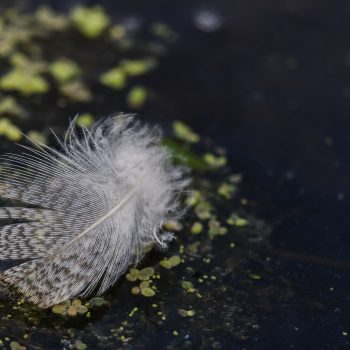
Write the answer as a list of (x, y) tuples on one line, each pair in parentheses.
[(272, 85)]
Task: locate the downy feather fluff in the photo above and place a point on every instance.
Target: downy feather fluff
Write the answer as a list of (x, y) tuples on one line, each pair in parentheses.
[(89, 209)]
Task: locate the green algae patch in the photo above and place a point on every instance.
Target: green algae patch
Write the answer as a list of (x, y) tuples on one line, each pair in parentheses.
[(90, 21), (114, 78), (24, 81), (64, 70), (137, 97), (184, 132)]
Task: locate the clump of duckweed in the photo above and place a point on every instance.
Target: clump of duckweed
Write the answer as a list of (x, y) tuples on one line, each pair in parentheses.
[(64, 70), (173, 225), (9, 106), (185, 133), (186, 313), (188, 286), (9, 130), (215, 161), (215, 228), (70, 308), (144, 275), (90, 21), (37, 136), (79, 345), (114, 78), (226, 190), (137, 97), (197, 228), (236, 220), (17, 346), (24, 81), (171, 262), (85, 119)]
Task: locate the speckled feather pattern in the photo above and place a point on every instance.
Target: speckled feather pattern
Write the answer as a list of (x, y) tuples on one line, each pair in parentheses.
[(93, 207)]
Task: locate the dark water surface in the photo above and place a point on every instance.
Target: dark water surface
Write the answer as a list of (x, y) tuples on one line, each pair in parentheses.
[(270, 84)]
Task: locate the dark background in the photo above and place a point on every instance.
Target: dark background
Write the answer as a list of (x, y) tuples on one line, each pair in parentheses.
[(272, 85)]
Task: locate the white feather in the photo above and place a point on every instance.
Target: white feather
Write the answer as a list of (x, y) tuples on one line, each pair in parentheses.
[(97, 204)]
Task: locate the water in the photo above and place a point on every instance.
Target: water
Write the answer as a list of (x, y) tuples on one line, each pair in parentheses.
[(270, 85)]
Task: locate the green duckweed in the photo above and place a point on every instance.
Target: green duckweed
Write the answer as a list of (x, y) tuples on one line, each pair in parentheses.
[(146, 273), (226, 190), (37, 136), (51, 20), (147, 292), (197, 228), (9, 130), (203, 210), (137, 97), (173, 225), (215, 228), (236, 220), (184, 132), (85, 119), (64, 70), (24, 81), (76, 90), (90, 21), (174, 260), (137, 67), (9, 105), (214, 161), (79, 345), (114, 78), (186, 313)]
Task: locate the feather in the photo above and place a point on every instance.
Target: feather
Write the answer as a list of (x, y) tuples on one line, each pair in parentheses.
[(89, 209)]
